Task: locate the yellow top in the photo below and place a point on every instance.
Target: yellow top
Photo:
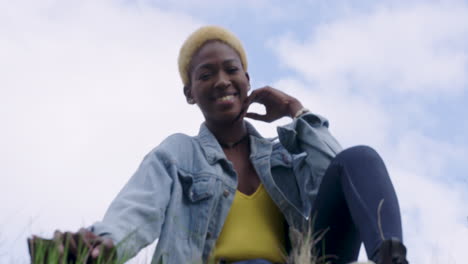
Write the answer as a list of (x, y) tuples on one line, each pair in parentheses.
[(254, 228)]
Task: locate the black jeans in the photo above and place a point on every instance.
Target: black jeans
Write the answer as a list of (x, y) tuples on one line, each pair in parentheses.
[(347, 203)]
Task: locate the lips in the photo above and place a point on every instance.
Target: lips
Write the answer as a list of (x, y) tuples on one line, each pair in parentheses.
[(226, 97)]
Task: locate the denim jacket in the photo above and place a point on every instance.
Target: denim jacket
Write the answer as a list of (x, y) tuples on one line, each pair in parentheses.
[(183, 189)]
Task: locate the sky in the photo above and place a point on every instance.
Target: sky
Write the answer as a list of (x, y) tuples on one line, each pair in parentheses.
[(87, 88)]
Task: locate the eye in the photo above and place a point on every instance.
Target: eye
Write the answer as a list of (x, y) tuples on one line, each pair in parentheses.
[(232, 70), (204, 76)]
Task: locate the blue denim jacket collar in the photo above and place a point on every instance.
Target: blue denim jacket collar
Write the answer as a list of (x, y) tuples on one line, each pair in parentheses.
[(210, 145), (260, 147)]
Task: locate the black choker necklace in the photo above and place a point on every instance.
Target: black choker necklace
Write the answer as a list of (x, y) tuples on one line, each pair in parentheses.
[(231, 145)]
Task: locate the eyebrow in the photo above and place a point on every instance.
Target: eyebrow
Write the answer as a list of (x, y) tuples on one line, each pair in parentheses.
[(210, 65)]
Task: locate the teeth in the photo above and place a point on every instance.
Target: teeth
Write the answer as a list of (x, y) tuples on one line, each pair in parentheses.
[(226, 98)]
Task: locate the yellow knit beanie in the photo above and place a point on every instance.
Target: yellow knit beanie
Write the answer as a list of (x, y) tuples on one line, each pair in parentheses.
[(196, 40)]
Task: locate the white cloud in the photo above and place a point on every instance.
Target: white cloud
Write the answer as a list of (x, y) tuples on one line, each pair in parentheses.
[(85, 86), (350, 66), (352, 118), (260, 11), (419, 49)]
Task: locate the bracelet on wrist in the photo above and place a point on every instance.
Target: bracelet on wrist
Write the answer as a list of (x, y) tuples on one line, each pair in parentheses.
[(301, 112)]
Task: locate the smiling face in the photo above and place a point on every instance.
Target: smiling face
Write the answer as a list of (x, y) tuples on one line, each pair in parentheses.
[(218, 82)]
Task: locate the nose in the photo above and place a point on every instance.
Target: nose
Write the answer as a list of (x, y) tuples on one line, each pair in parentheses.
[(223, 81)]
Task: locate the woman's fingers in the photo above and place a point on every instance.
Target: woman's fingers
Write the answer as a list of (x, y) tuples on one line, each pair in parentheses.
[(82, 246), (258, 96), (72, 243), (255, 97), (104, 249), (95, 253), (58, 239), (267, 96), (277, 104), (87, 237), (96, 246)]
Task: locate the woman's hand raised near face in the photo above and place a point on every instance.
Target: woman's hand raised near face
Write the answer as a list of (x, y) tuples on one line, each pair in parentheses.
[(277, 104)]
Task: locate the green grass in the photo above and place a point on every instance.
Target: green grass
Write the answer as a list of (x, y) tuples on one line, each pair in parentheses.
[(44, 251), (48, 251), (303, 249)]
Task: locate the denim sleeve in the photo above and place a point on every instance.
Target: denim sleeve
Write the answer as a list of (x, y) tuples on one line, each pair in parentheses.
[(135, 217), (313, 148)]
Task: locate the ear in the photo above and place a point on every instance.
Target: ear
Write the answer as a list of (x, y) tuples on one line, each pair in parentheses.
[(188, 95), (248, 79)]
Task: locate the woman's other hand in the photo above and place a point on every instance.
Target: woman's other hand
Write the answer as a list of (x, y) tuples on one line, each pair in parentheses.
[(277, 104), (83, 246)]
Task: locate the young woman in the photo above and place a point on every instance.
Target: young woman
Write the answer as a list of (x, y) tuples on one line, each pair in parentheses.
[(231, 195)]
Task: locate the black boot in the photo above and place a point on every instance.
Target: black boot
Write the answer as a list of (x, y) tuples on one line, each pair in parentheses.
[(392, 251)]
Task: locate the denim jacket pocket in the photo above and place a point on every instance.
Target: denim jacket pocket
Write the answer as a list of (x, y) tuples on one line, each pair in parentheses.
[(198, 195), (197, 187)]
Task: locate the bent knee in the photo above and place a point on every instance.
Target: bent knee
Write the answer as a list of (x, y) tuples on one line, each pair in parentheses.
[(360, 153)]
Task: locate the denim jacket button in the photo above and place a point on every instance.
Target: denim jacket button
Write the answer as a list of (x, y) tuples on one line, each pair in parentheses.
[(286, 159), (226, 193)]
